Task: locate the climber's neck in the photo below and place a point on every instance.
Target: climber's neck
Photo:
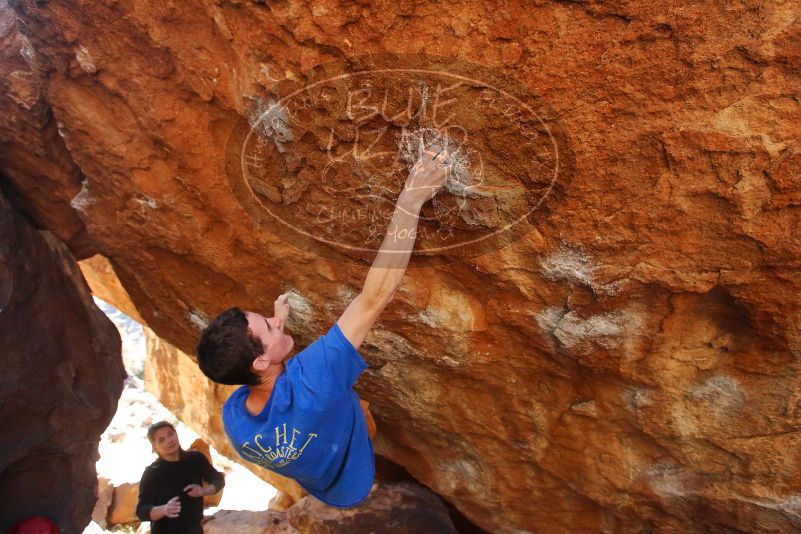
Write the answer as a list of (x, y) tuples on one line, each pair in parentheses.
[(259, 395)]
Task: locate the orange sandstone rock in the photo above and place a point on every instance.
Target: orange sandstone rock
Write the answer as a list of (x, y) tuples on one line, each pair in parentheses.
[(103, 281), (627, 361)]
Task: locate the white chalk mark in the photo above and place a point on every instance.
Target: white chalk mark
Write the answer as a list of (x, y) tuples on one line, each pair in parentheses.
[(270, 121), (82, 200), (198, 319), (575, 266)]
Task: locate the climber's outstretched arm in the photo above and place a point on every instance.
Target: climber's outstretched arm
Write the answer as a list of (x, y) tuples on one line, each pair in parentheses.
[(385, 274), (384, 277)]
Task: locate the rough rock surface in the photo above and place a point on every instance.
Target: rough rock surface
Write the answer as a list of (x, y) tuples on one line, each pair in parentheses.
[(248, 522), (105, 495), (61, 377), (42, 178), (401, 508), (630, 364), (123, 504), (105, 284), (404, 508)]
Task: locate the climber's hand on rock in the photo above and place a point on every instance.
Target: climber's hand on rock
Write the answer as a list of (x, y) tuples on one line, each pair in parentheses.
[(173, 508), (428, 175), (194, 490), (282, 308)]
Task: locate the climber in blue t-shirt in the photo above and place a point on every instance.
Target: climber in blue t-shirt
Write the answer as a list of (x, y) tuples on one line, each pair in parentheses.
[(301, 418)]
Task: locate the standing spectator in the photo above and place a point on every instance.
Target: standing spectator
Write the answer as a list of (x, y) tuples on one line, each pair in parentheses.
[(171, 490)]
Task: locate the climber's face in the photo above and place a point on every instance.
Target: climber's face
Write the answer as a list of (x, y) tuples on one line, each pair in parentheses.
[(270, 330)]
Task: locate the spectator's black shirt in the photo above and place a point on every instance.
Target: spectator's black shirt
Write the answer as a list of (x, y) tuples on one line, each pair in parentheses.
[(163, 480)]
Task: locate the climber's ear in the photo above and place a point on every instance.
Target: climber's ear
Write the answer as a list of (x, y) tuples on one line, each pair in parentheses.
[(261, 363)]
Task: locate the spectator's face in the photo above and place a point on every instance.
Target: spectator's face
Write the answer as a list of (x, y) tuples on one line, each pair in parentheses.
[(165, 442), (270, 330)]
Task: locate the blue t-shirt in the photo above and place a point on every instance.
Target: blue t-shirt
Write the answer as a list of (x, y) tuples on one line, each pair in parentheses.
[(312, 428)]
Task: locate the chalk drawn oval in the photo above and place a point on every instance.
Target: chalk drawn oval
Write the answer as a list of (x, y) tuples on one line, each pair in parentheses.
[(321, 158)]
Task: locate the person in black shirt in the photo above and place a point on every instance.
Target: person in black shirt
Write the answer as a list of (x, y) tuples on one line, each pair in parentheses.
[(171, 490)]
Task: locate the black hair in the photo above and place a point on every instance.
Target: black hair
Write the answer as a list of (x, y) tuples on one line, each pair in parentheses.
[(227, 348)]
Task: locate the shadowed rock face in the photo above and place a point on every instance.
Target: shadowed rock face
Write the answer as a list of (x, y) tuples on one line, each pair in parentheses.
[(404, 508), (630, 363), (61, 377)]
